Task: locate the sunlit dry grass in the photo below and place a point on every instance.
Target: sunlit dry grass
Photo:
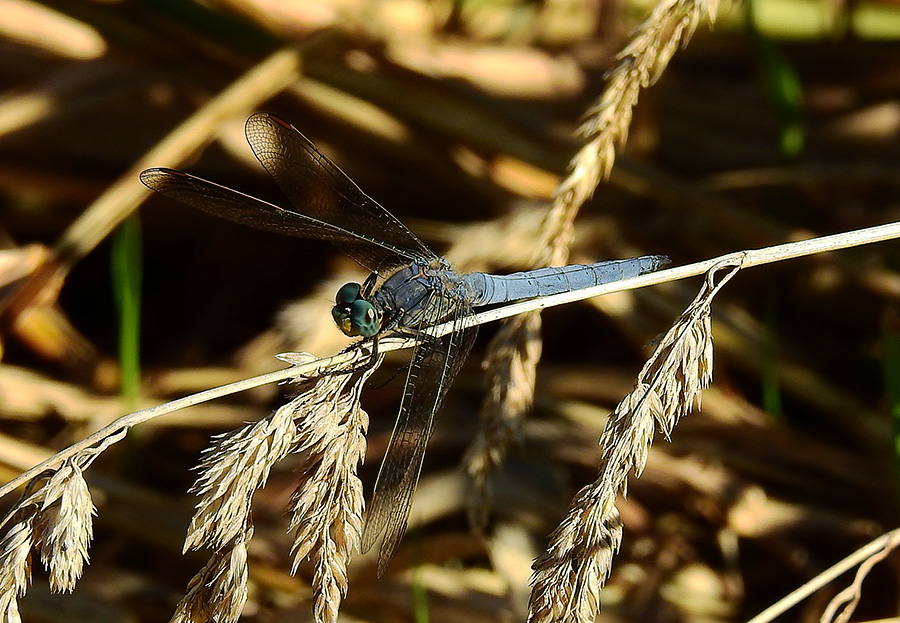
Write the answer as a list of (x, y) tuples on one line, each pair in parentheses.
[(386, 77)]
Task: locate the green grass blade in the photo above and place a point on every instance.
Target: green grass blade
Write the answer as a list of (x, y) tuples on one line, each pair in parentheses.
[(126, 267), (784, 88)]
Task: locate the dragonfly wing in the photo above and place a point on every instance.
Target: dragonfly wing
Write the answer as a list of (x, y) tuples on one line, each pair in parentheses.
[(235, 206), (316, 186), (435, 363)]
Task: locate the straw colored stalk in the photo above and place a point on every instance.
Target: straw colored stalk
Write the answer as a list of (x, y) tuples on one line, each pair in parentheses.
[(515, 350), (567, 578), (57, 515)]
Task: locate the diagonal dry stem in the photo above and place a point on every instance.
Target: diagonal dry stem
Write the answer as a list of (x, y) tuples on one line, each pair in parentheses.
[(354, 356), (263, 81), (514, 351)]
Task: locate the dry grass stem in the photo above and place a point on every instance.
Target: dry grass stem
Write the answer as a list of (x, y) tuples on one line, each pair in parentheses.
[(98, 441), (218, 592), (325, 424), (639, 65), (866, 557), (263, 81), (328, 504), (567, 578), (844, 604), (510, 365)]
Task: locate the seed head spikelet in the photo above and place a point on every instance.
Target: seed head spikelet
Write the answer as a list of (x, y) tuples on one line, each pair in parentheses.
[(328, 506), (65, 525), (218, 592)]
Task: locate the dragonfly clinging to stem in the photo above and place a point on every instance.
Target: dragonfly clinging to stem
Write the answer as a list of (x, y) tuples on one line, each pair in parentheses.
[(421, 290)]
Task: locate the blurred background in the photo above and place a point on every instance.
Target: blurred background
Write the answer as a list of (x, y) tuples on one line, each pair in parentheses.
[(460, 117)]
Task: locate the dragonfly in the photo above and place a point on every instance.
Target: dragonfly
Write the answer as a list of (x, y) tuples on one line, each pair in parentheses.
[(420, 290)]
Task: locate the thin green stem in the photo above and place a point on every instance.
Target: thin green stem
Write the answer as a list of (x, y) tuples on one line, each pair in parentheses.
[(126, 264)]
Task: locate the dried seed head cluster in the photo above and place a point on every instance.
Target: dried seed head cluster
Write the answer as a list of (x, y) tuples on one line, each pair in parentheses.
[(511, 366), (15, 567), (65, 527), (567, 578), (324, 425), (217, 594), (639, 65), (328, 504), (57, 519), (237, 465)]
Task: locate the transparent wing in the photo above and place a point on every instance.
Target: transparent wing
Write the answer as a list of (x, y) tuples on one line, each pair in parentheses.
[(317, 187), (234, 206), (435, 363)]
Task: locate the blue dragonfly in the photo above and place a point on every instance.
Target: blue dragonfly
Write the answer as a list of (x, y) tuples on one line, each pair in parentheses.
[(421, 289)]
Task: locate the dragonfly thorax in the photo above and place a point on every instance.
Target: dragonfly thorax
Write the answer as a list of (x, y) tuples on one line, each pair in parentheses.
[(353, 314)]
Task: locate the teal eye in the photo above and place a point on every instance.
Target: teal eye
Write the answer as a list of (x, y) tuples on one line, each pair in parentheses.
[(363, 318), (348, 293), (354, 315)]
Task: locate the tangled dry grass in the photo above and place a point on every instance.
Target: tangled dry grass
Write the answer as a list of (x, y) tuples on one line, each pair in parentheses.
[(380, 77)]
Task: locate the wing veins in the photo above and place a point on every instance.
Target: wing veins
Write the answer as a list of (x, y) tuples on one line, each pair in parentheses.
[(282, 149), (435, 364), (248, 210)]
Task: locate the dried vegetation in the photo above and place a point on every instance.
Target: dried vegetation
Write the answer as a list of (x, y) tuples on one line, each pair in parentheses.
[(460, 117)]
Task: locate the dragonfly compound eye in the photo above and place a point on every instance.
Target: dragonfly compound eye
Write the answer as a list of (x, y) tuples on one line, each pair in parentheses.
[(348, 293), (364, 318), (356, 318)]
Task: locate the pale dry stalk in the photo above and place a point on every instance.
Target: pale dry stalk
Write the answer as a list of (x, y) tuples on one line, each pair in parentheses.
[(568, 577), (55, 514), (842, 606), (515, 350)]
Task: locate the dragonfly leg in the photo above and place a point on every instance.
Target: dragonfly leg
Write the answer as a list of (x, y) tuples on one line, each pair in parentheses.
[(369, 284), (366, 365)]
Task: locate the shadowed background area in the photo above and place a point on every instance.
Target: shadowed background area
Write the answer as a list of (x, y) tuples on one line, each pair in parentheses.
[(460, 117)]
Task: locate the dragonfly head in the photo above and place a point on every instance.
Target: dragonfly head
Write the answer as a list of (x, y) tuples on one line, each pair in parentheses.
[(353, 314)]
